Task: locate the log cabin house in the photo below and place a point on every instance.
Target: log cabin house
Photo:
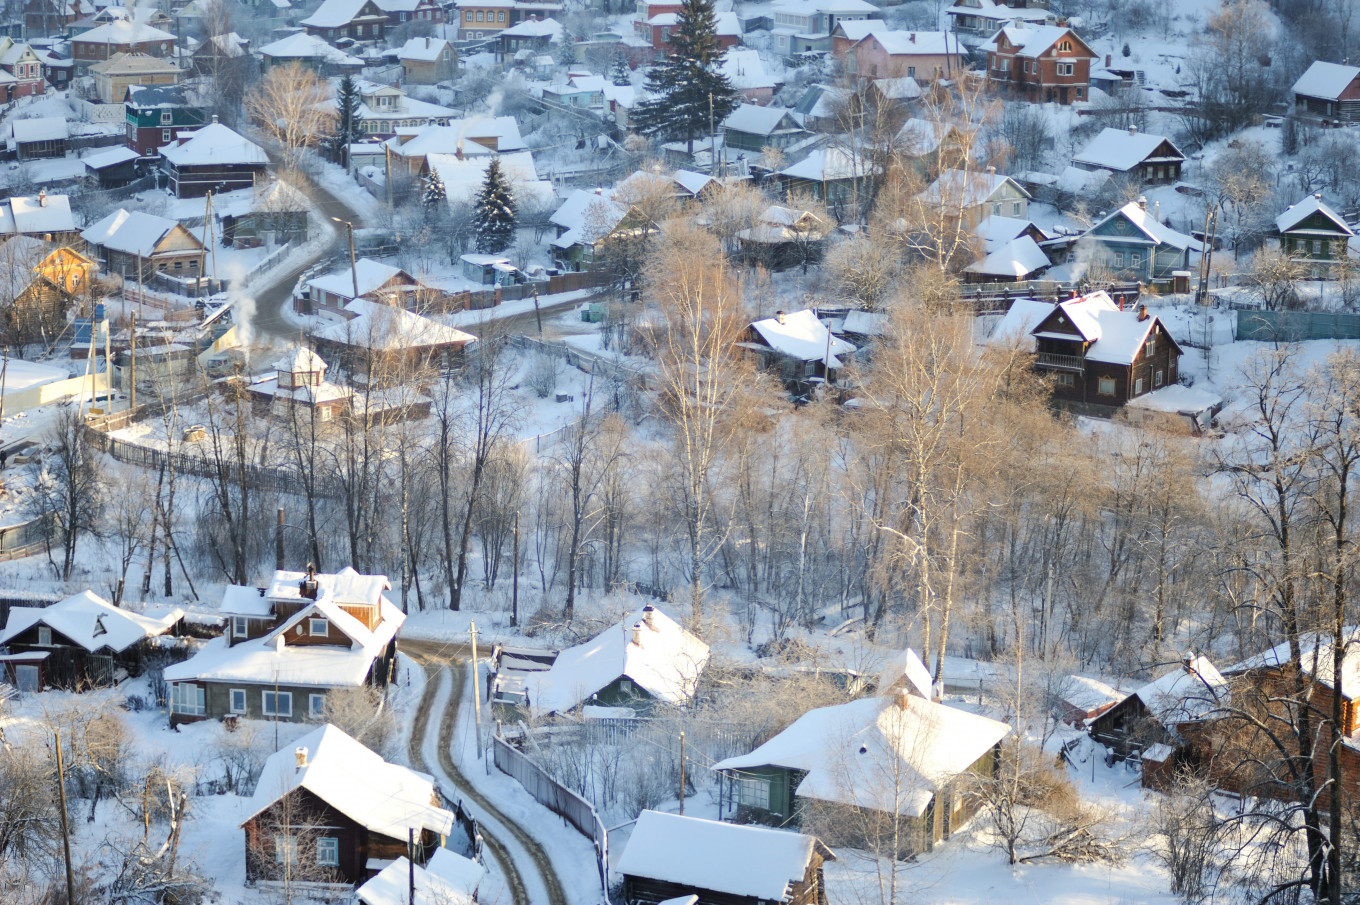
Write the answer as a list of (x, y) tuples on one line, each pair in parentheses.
[(1163, 710)]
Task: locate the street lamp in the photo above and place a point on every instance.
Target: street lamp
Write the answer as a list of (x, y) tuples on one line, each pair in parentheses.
[(353, 266)]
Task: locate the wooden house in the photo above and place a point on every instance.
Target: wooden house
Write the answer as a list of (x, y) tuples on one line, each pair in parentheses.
[(1160, 712), (112, 167), (585, 221), (752, 128), (359, 20), (121, 36), (114, 76), (367, 278), (212, 159), (837, 176), (23, 63), (1096, 353), (1313, 232), (287, 648), (42, 137), (309, 52), (969, 197), (1145, 158), (42, 216), (797, 347), (299, 384), (329, 811), (402, 11), (78, 642), (902, 757), (425, 61), (483, 18), (674, 858), (138, 245), (1329, 91), (1131, 243), (644, 661), (157, 117), (1040, 63), (50, 17), (38, 282)]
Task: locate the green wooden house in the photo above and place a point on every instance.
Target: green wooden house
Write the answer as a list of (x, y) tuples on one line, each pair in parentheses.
[(1312, 231), (1132, 244), (156, 116)]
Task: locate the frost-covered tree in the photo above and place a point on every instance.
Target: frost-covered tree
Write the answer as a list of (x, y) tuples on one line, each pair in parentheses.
[(494, 216), (434, 192), (619, 73), (688, 91)]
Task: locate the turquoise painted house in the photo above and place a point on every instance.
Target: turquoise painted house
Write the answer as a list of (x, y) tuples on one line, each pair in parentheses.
[(1313, 232), (1134, 245)]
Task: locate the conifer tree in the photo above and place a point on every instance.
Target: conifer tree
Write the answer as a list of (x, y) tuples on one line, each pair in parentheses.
[(493, 219), (435, 192), (619, 73), (566, 51), (687, 79), (347, 124)]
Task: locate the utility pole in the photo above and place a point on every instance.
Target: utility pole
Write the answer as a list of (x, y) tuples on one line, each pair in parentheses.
[(65, 827), (682, 774), (411, 864), (388, 149), (132, 364), (278, 542), (712, 140), (353, 265), (514, 575), (538, 316), (476, 688)]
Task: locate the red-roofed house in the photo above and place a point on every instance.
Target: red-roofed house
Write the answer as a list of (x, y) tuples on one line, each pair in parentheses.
[(1040, 63)]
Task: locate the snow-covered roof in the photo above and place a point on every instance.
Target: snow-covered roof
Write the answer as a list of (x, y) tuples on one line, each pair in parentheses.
[(1029, 39), (300, 360), (37, 214), (996, 230), (131, 232), (214, 144), (345, 587), (305, 46), (475, 135), (269, 659), (447, 879), (998, 12), (1075, 180), (886, 753), (1189, 692), (388, 327), (42, 128), (834, 7), (864, 323), (745, 69), (1155, 231), (756, 120), (1178, 399), (1315, 659), (1019, 322), (463, 177), (901, 42), (829, 164), (123, 31), (858, 29), (922, 136), (133, 64), (425, 50), (91, 622), (905, 670), (1302, 210), (1088, 694), (385, 798), (534, 28), (741, 861), (801, 335), (586, 216), (665, 661), (335, 13), (1016, 260), (240, 600), (372, 275), (1121, 150), (964, 189), (904, 88), (109, 157), (691, 182), (1325, 80)]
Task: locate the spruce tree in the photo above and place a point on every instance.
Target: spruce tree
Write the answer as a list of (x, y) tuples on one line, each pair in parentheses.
[(566, 51), (347, 124), (619, 73), (434, 192), (493, 219), (684, 82)]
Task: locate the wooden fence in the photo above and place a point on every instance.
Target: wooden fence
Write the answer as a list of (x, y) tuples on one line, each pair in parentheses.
[(557, 798), (27, 538)]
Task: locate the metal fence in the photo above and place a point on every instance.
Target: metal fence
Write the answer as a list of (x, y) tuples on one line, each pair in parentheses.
[(1296, 326), (557, 798)]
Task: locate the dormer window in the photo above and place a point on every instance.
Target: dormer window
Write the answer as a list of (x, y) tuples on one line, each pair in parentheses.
[(44, 636), (318, 628)]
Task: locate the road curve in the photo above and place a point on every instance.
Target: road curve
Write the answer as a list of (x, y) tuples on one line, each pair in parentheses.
[(444, 662)]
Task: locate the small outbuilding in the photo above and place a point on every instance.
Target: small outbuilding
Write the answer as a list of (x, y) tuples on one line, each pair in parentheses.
[(1156, 712)]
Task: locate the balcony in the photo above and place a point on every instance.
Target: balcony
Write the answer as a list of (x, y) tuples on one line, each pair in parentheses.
[(1052, 361)]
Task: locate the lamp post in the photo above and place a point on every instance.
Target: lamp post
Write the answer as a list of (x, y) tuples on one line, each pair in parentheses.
[(353, 265)]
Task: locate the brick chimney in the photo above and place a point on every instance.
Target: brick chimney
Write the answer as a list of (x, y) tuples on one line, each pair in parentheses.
[(637, 633), (1133, 130), (307, 587), (1143, 312), (301, 754), (779, 316), (648, 615), (1142, 202)]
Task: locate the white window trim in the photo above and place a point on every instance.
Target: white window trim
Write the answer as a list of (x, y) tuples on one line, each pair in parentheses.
[(324, 623), (231, 700), (278, 697), (316, 705), (240, 627), (331, 844)]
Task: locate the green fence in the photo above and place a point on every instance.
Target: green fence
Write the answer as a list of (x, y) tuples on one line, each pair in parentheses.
[(1295, 326)]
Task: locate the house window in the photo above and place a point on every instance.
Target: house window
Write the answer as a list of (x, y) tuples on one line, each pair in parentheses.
[(285, 848), (1156, 378), (481, 16), (179, 265), (1138, 386), (1317, 247), (328, 851), (240, 626), (1067, 381), (754, 793), (1064, 46), (1080, 92), (1105, 386), (318, 627), (165, 135), (44, 636), (996, 210), (1150, 347), (238, 700), (277, 703), (911, 72), (187, 698), (1118, 259), (468, 15), (1065, 68), (1137, 261), (500, 16), (166, 118), (1015, 208), (316, 705)]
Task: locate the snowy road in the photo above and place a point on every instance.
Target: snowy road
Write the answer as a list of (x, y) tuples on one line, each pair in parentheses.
[(442, 743)]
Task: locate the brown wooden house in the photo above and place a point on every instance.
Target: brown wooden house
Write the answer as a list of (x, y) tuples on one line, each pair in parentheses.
[(1097, 353), (1040, 63), (78, 642), (299, 382), (38, 282), (330, 811), (669, 857), (1163, 710)]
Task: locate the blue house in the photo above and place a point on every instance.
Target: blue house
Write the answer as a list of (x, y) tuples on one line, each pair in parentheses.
[(1134, 245)]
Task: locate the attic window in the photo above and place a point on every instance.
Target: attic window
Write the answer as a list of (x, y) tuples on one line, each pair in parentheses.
[(44, 636), (1064, 46), (318, 627)]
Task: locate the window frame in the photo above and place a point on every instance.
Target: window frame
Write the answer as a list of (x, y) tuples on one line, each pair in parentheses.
[(44, 636), (279, 696), (1102, 382), (312, 624), (231, 701), (285, 848), (240, 627), (327, 851), (316, 705), (754, 792)]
